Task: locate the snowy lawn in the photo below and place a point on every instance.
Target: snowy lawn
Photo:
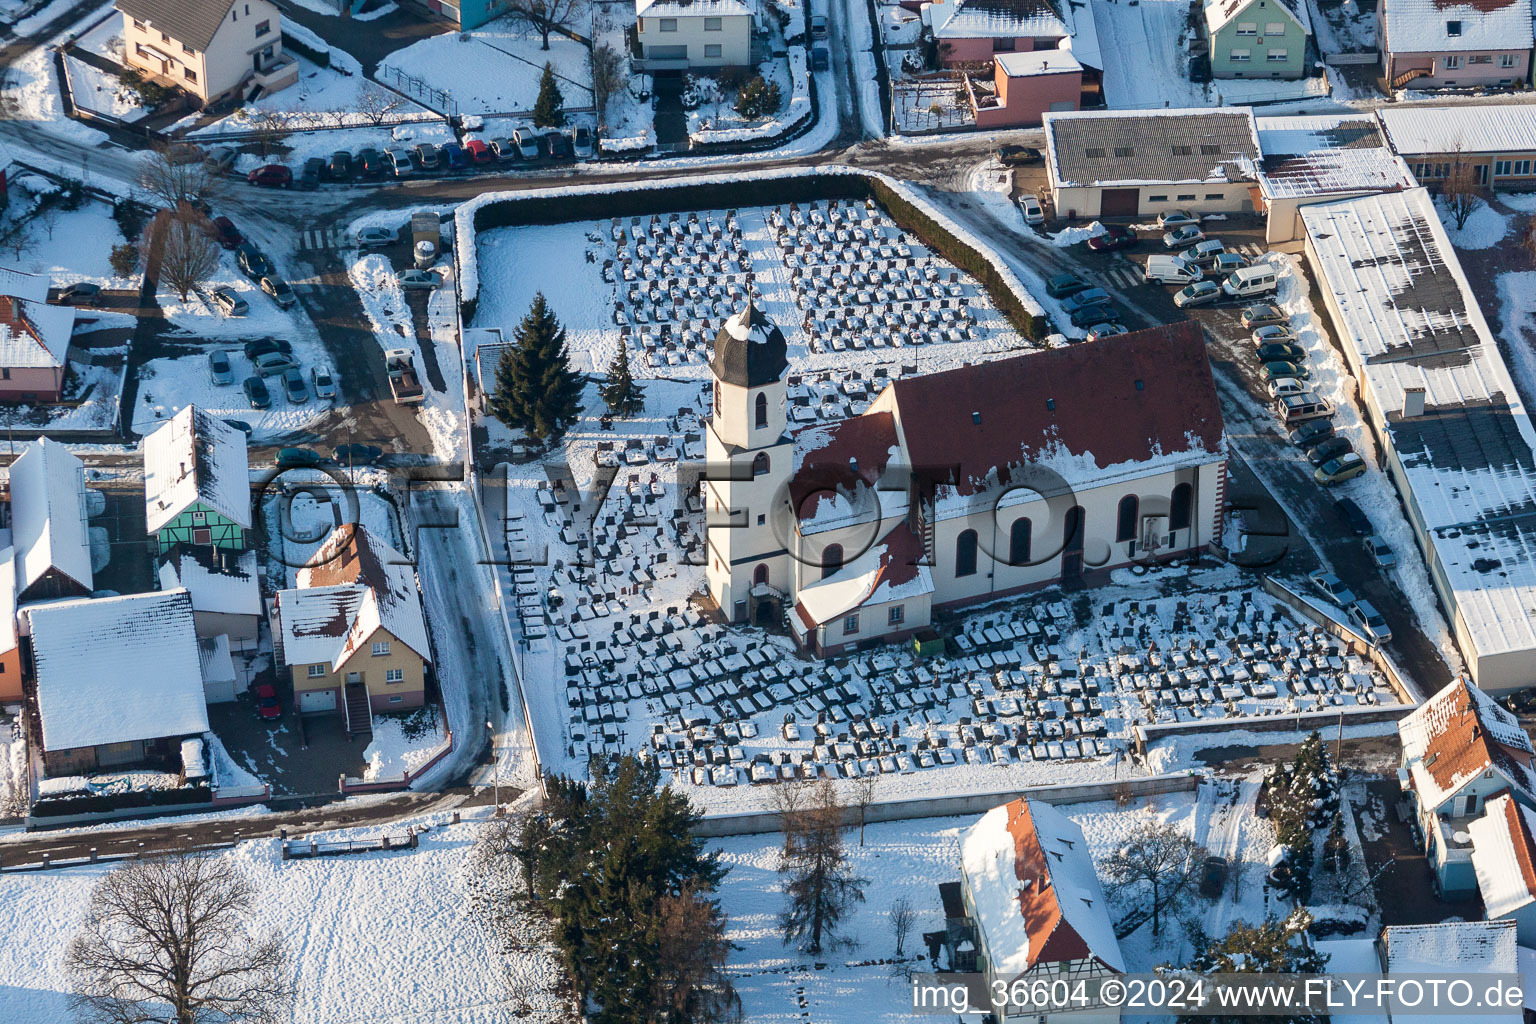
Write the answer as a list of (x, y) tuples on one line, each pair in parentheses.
[(67, 245), (98, 90), (496, 69), (403, 742), (1485, 228), (370, 937)]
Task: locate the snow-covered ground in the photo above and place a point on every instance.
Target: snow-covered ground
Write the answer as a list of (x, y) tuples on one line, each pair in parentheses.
[(403, 743), (370, 937), (94, 89), (1485, 227), (494, 69)]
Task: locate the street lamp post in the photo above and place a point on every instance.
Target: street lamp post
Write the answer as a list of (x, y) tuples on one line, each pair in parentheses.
[(490, 731)]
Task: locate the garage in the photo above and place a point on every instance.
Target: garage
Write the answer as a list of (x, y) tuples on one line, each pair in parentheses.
[(317, 701), (1120, 202)]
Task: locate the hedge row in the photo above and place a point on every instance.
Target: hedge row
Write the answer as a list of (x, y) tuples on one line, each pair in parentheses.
[(303, 49), (95, 804)]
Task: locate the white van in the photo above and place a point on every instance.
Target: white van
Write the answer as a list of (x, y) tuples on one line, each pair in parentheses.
[(1171, 270), (1302, 406), (1247, 282)]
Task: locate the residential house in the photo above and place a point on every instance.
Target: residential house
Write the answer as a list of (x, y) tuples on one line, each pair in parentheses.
[(976, 31), (118, 681), (1258, 38), (215, 50), (1034, 899), (828, 522), (10, 646), (1498, 141), (674, 35), (1504, 859), (1444, 44), (34, 340), (49, 524), (225, 589), (1139, 163), (197, 483), (352, 631), (466, 14), (1319, 159), (1452, 948), (1460, 750), (1024, 86), (1449, 425)]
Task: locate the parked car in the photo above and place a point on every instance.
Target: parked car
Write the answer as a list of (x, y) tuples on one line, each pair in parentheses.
[(357, 454), (270, 364), (270, 176), (1354, 517), (374, 236), (1371, 622), (1176, 218), (1331, 587), (1281, 351), (266, 701), (1271, 333), (1063, 285), (1199, 293), (370, 163), (256, 392), (1283, 370), (242, 426), (505, 149), (581, 142), (340, 166), (821, 58), (1329, 449), (324, 383), (1228, 262), (219, 159), (80, 291), (479, 151), (1263, 315), (298, 458), (818, 26), (180, 153), (425, 157), (1086, 297), (220, 368), (1030, 207), (1199, 69), (1310, 433), (1202, 254), (1283, 386), (1213, 876), (527, 143), (228, 235), (1185, 235), (454, 157), (262, 346), (557, 146), (312, 172), (1018, 156), (294, 387), (398, 161), (1100, 331), (229, 303), (1090, 316), (253, 264), (1336, 471), (410, 279), (279, 290), (1385, 557), (1114, 238)]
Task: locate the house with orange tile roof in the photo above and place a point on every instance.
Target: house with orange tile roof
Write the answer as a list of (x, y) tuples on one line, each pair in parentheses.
[(1034, 900), (1504, 858), (1461, 750)]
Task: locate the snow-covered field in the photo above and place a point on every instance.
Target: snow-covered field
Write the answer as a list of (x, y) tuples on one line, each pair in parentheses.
[(370, 937), (494, 69)]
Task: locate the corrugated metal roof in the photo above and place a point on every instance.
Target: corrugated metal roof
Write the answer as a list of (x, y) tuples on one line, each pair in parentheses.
[(1326, 154), (1471, 128)]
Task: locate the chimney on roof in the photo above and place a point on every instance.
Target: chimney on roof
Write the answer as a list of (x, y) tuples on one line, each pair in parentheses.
[(976, 418), (1413, 403), (853, 463)]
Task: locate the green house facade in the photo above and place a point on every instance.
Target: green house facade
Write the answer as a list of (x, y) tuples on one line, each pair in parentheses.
[(197, 483), (1257, 38), (199, 524)]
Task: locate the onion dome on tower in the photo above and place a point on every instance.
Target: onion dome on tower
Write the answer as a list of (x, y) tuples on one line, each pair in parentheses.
[(750, 350)]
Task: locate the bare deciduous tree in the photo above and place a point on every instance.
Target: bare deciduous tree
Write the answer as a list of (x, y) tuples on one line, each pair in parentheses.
[(863, 795), (689, 979), (1461, 192), (820, 887), (268, 128), (188, 253), (1157, 861), (168, 940), (546, 15), (376, 103), (176, 181), (607, 67), (1528, 238), (902, 919)]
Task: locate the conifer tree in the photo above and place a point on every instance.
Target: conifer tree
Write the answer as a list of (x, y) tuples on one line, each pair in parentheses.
[(549, 108), (536, 389), (620, 392)]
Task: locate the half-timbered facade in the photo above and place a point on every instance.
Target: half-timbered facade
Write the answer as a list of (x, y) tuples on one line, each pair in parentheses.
[(197, 487)]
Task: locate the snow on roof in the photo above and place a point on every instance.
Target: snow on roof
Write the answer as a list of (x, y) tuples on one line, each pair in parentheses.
[(690, 8), (1353, 956), (1451, 947), (7, 600), (353, 586), (837, 471), (1033, 886), (235, 591), (1455, 736), (1084, 41), (1474, 128), (32, 287), (1219, 12), (1038, 62), (1091, 148), (892, 570), (1410, 321), (116, 669), (1435, 26), (195, 457), (218, 665), (48, 515), (1504, 856), (994, 19), (34, 334), (188, 21), (1327, 153)]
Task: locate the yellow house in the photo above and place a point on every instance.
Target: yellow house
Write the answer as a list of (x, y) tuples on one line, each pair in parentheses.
[(352, 632)]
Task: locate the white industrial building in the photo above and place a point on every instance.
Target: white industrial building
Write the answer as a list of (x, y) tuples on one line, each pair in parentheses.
[(1457, 440), (1321, 158)]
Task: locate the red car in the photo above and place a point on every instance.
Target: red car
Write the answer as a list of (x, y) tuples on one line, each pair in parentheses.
[(479, 152), (229, 236), (266, 701), (1114, 237), (271, 176)]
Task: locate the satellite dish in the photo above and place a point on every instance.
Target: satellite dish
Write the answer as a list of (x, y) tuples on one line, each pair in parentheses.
[(1461, 838)]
